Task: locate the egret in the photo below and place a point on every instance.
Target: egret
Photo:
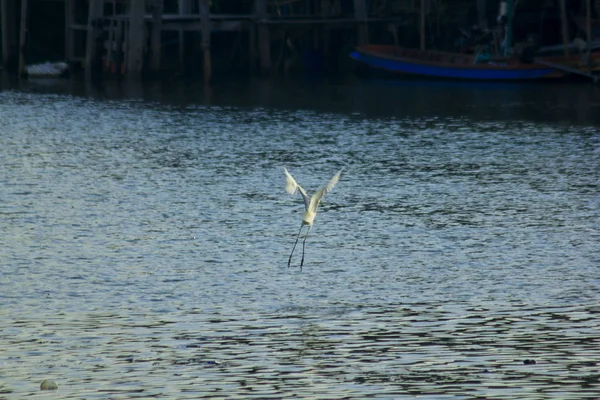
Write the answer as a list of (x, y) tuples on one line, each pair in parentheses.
[(310, 204)]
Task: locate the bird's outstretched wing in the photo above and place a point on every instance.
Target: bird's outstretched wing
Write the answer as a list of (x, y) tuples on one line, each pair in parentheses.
[(316, 198), (291, 186)]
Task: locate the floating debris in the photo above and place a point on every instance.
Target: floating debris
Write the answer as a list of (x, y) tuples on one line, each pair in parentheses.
[(48, 385), (48, 69)]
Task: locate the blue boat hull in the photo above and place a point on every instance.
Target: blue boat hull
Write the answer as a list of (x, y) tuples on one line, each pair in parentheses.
[(382, 58)]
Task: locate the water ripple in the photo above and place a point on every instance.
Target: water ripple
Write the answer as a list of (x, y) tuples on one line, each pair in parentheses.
[(144, 255)]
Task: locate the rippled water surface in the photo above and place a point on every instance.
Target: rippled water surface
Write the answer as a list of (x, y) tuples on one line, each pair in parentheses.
[(144, 242)]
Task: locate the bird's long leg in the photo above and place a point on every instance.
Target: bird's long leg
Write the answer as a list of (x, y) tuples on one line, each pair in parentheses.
[(303, 246), (295, 243)]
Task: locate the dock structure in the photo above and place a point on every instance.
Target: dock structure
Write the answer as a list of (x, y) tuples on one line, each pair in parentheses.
[(127, 37), (131, 38)]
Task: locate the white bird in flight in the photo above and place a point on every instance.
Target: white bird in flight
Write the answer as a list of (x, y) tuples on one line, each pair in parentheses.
[(311, 204)]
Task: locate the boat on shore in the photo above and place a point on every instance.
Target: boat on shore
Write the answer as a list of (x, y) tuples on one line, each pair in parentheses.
[(447, 65)]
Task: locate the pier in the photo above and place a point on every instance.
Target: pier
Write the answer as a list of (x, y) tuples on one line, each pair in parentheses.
[(138, 38), (132, 37)]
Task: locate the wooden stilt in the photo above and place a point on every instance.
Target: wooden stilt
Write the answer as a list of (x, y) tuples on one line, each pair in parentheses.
[(184, 9), (588, 20), (181, 43), (205, 24), (360, 15), (69, 21), (22, 38), (482, 14), (110, 47), (252, 47), (422, 24), (94, 13), (113, 45), (264, 39), (264, 48), (119, 48), (9, 32), (565, 32), (325, 41), (135, 51), (157, 11), (393, 29), (282, 53)]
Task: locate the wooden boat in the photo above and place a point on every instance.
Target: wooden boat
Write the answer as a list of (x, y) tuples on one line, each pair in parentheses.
[(439, 64)]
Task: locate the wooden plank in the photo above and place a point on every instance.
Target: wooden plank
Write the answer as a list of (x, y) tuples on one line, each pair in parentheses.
[(136, 37), (9, 31), (78, 27), (94, 13), (196, 26), (22, 38), (156, 39)]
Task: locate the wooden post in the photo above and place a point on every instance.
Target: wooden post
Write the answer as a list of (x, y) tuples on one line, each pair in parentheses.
[(264, 39), (588, 21), (184, 9), (69, 20), (482, 14), (9, 32), (360, 15), (94, 13), (137, 34), (205, 24), (157, 11), (22, 38), (422, 24), (565, 32), (110, 47), (252, 46), (119, 47), (509, 25)]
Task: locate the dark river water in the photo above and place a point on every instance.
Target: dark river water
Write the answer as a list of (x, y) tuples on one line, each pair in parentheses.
[(145, 233)]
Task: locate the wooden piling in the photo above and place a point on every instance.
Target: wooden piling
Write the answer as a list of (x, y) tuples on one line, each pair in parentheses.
[(252, 46), (94, 13), (360, 15), (205, 27), (69, 19), (110, 46), (588, 20), (119, 47), (137, 34), (157, 11), (482, 14), (9, 32), (22, 38), (264, 40), (423, 22), (565, 32), (185, 8)]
